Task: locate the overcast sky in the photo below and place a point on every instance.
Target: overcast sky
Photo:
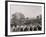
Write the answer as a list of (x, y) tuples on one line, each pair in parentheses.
[(27, 10)]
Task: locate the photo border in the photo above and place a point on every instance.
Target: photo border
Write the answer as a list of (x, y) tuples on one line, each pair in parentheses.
[(6, 18)]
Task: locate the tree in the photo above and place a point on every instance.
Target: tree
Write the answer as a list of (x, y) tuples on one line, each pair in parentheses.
[(17, 19), (27, 21)]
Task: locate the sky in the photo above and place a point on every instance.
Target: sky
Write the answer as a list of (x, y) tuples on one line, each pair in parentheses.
[(27, 10)]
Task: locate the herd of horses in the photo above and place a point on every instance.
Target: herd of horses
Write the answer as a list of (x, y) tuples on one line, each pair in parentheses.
[(30, 27)]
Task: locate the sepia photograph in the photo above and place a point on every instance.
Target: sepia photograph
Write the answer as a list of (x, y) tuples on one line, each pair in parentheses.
[(25, 18)]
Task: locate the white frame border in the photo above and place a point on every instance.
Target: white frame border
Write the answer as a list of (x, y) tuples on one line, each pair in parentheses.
[(30, 32)]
